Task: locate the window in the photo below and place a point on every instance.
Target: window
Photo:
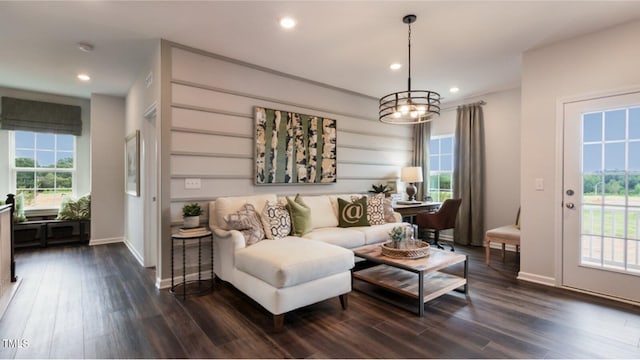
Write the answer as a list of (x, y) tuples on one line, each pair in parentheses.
[(43, 167), (441, 168)]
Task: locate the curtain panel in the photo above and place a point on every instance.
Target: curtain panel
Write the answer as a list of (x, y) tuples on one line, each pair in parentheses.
[(421, 139), (39, 116), (468, 175)]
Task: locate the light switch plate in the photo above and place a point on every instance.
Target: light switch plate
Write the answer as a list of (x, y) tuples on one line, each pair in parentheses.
[(192, 184), (539, 184)]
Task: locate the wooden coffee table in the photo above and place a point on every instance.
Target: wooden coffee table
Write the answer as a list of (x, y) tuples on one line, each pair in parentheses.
[(420, 279)]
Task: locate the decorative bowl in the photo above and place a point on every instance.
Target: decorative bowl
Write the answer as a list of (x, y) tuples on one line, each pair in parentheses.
[(408, 249)]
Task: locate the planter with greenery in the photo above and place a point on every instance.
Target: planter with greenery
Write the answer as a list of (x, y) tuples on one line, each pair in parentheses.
[(191, 214), (380, 189)]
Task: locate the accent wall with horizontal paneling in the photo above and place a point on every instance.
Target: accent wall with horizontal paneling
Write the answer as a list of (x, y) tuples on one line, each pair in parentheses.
[(209, 127), (212, 125)]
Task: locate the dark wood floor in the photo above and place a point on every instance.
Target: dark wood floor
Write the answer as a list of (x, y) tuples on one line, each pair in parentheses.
[(97, 302)]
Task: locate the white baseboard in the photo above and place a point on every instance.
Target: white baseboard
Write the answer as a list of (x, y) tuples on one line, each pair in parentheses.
[(135, 252), (538, 279), (93, 242), (166, 283)]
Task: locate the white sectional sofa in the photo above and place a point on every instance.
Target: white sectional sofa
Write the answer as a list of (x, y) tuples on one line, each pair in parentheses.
[(290, 272)]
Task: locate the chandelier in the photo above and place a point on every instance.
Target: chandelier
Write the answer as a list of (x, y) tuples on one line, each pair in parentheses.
[(411, 106)]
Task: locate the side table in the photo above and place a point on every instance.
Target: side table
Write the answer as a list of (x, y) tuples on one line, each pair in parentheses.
[(184, 238)]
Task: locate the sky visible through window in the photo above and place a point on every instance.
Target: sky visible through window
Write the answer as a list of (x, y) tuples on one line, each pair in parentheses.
[(605, 141)]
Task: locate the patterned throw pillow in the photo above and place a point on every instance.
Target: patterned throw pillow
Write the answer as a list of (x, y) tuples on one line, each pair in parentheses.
[(276, 220), (247, 221), (300, 216), (375, 209), (352, 213), (388, 211)]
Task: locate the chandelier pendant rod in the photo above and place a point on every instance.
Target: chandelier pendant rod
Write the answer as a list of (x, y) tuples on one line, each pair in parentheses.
[(409, 79)]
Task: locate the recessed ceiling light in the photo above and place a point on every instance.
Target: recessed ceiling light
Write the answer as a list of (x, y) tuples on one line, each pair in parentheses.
[(395, 66), (288, 22), (454, 90), (84, 77)]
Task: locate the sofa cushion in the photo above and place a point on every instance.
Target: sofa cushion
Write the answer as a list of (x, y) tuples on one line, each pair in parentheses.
[(228, 205), (300, 216), (322, 214), (508, 232), (345, 237), (276, 220), (247, 221), (352, 213), (291, 261), (376, 233)]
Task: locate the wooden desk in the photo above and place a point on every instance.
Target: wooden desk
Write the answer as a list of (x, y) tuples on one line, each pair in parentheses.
[(411, 210)]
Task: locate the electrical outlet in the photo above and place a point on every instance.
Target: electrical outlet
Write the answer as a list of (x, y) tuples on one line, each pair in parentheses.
[(192, 184), (539, 184)]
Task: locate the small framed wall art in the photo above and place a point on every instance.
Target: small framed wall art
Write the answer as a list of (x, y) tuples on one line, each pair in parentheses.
[(132, 164), (292, 148)]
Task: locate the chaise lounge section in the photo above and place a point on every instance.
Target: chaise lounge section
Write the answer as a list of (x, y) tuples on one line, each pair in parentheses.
[(286, 273)]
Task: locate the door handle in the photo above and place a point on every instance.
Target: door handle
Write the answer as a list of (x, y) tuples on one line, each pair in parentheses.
[(570, 206)]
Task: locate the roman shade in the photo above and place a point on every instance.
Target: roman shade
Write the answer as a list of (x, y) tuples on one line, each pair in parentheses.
[(39, 116)]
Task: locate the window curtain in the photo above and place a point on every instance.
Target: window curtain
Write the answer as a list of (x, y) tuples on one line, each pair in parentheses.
[(421, 138), (39, 116), (468, 174)]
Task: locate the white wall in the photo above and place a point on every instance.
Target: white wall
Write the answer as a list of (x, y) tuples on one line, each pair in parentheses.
[(83, 160), (606, 60), (107, 168), (502, 152), (139, 98)]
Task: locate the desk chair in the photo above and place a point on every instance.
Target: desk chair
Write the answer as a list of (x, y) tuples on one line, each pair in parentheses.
[(444, 218)]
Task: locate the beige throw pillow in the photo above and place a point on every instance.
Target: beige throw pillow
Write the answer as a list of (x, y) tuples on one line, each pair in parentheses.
[(388, 211), (247, 221)]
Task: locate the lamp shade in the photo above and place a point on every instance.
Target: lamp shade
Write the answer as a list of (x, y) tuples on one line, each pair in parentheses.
[(411, 174)]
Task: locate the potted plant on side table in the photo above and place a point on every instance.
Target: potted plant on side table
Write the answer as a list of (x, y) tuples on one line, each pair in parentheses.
[(191, 214)]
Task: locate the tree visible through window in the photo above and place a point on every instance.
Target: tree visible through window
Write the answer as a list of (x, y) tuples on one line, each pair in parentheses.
[(441, 168), (44, 167)]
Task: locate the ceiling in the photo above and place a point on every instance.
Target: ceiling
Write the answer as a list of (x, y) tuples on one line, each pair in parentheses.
[(474, 45)]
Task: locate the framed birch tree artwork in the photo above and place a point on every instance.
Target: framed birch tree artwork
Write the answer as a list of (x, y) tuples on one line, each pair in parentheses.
[(294, 148)]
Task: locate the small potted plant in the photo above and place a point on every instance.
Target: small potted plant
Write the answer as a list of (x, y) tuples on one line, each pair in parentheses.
[(397, 234), (191, 214), (380, 189)]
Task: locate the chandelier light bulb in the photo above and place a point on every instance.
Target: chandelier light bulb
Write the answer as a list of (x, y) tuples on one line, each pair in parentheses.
[(397, 114), (422, 110), (414, 114), (404, 109)]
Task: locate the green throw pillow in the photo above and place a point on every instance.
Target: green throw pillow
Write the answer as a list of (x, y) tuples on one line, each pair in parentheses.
[(352, 213), (300, 216)]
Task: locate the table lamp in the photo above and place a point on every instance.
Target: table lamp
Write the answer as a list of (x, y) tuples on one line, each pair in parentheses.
[(411, 174)]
